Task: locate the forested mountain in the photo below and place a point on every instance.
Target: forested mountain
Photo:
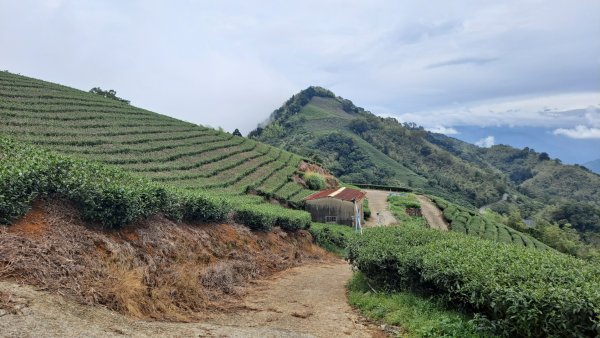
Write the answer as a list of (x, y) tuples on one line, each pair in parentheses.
[(361, 147)]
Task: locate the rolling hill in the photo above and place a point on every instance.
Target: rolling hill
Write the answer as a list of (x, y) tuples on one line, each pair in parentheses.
[(360, 147), (177, 154)]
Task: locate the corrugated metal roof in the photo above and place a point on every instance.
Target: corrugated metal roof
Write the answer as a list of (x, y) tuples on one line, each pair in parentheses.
[(344, 194)]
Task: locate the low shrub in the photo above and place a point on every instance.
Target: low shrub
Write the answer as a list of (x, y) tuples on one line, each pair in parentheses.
[(265, 216), (292, 220), (332, 237), (366, 209), (314, 181), (516, 290), (114, 198), (193, 206), (256, 217)]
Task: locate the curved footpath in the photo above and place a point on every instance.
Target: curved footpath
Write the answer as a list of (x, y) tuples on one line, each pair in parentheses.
[(378, 204), (432, 214), (306, 301)]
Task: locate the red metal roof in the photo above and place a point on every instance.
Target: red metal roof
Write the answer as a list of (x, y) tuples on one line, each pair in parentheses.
[(344, 194)]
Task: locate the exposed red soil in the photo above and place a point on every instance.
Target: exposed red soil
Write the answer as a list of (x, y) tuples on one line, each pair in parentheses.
[(155, 269), (32, 225)]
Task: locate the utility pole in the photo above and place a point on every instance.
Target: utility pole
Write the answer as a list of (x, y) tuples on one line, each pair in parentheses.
[(357, 218)]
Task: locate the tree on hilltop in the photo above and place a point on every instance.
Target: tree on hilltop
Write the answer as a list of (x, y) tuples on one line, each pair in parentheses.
[(236, 132), (111, 94)]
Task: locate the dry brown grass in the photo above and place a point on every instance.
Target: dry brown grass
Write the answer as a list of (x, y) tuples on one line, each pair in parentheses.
[(153, 270)]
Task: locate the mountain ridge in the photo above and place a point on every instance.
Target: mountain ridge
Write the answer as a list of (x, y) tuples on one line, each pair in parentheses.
[(345, 138)]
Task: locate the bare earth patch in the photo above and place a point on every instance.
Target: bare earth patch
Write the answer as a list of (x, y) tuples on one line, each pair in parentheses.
[(306, 301), (432, 214), (61, 277), (156, 269), (378, 204), (310, 299)]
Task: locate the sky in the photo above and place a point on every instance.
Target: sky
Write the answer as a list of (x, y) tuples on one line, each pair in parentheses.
[(451, 66)]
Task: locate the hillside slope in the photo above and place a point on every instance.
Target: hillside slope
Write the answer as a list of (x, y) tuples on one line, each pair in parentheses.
[(360, 147), (164, 149)]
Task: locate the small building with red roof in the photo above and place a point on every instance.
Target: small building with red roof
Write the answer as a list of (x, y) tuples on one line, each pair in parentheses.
[(336, 205)]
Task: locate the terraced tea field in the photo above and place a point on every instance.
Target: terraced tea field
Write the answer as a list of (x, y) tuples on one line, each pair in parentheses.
[(471, 223), (164, 149)]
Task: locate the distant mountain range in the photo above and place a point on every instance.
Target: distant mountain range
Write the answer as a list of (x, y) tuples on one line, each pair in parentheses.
[(360, 147), (593, 165), (542, 139)]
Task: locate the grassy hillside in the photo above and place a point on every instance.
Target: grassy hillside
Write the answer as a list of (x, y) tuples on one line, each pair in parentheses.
[(322, 122), (168, 151), (362, 148)]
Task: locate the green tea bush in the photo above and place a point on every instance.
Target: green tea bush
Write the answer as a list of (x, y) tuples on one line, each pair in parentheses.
[(114, 198), (256, 217), (515, 290), (332, 237), (314, 181), (266, 216), (103, 194), (366, 209), (472, 223), (292, 220), (19, 184), (194, 206)]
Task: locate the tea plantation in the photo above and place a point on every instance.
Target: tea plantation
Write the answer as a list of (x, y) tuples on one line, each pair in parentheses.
[(471, 223), (510, 290), (173, 153)]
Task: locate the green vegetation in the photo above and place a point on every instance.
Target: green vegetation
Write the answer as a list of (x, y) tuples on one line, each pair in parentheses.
[(103, 194), (314, 181), (111, 94), (314, 123), (359, 147), (180, 159), (512, 290), (332, 237), (114, 197), (470, 222), (418, 316), (366, 209), (400, 202)]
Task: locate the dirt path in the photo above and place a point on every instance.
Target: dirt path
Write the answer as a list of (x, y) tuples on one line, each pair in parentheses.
[(307, 301), (432, 214), (378, 204)]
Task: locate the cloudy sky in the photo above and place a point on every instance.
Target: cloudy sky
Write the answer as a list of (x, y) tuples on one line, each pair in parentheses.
[(442, 64)]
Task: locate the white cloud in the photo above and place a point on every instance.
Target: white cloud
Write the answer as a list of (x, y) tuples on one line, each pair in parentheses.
[(579, 132), (486, 142), (231, 63), (553, 111), (443, 130)]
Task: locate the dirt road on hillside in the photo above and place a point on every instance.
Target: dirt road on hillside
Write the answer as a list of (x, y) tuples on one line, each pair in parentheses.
[(307, 301), (432, 214), (378, 204)]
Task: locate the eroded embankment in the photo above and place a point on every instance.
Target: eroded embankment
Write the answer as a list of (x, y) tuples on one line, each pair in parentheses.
[(154, 269)]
